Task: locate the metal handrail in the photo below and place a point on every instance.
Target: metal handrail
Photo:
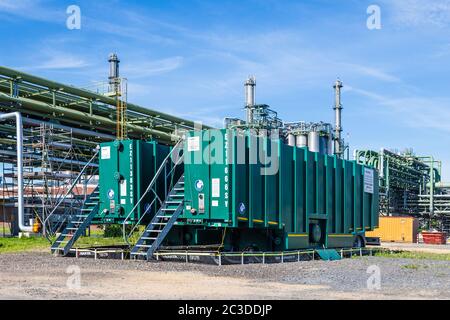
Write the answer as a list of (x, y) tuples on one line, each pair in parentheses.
[(75, 182), (126, 237), (150, 186)]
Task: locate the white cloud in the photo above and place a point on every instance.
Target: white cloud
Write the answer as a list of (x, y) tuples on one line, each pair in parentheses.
[(414, 111), (374, 73), (144, 69), (32, 10), (419, 13)]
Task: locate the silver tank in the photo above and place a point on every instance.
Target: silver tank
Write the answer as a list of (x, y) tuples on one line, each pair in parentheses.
[(291, 140), (302, 140), (314, 141)]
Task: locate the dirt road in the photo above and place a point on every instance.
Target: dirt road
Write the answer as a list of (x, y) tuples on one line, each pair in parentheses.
[(42, 276)]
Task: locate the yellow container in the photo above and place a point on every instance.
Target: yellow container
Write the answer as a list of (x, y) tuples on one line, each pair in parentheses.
[(396, 229), (36, 227)]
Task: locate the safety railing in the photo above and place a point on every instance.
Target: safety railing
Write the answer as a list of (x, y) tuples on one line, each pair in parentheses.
[(46, 223), (166, 173)]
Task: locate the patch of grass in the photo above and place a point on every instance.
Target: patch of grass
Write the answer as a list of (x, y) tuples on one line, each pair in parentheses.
[(411, 266), (15, 245), (12, 245), (414, 255), (85, 242)]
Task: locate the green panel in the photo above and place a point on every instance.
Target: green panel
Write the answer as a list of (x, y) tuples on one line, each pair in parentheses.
[(348, 196), (358, 201), (126, 169), (286, 183), (320, 184), (300, 190), (222, 186), (271, 185), (374, 223), (239, 191), (296, 241), (197, 172), (256, 181), (310, 184), (338, 216), (330, 192)]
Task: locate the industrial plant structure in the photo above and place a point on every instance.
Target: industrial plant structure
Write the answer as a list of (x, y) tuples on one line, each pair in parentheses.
[(73, 157)]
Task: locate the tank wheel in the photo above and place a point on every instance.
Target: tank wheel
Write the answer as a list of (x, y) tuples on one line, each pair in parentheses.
[(359, 242)]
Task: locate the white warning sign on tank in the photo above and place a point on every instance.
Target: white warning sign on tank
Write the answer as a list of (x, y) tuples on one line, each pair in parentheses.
[(368, 180), (106, 153), (193, 144), (215, 188)]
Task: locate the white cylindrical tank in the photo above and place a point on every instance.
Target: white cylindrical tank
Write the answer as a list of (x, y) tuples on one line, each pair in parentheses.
[(314, 141), (302, 140), (291, 140)]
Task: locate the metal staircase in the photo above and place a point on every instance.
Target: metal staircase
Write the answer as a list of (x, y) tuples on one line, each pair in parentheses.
[(77, 225), (161, 223)]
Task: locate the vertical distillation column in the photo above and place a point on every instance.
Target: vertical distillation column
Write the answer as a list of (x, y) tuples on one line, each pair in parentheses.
[(118, 87), (250, 85), (338, 148)]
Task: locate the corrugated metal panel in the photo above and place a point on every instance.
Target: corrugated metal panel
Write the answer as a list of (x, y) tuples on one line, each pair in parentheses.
[(396, 229)]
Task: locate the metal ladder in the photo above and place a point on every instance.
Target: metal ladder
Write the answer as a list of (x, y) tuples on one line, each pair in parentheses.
[(77, 225), (161, 224)]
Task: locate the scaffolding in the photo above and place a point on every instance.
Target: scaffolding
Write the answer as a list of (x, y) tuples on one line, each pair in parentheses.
[(410, 185), (52, 160)]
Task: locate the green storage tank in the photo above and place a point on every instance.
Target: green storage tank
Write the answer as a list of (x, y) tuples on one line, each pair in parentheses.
[(125, 170), (251, 191)]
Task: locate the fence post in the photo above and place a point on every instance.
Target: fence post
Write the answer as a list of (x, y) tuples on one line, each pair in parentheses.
[(242, 258), (220, 259), (342, 253), (264, 258), (313, 255), (360, 252)]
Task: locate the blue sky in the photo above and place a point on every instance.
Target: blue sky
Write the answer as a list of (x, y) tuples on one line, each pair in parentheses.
[(191, 58)]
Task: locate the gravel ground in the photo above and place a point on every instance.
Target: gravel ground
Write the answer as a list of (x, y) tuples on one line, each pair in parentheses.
[(42, 276)]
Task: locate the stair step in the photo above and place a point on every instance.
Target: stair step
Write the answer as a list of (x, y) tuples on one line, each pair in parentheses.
[(72, 228), (148, 238), (169, 209), (158, 231), (67, 235), (159, 223), (91, 203), (61, 241), (173, 202), (139, 253), (143, 245), (76, 222), (178, 189), (86, 210), (94, 198), (176, 195)]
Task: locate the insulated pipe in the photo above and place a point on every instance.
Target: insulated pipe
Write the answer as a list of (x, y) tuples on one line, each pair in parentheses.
[(19, 138), (83, 116), (91, 96), (76, 131)]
